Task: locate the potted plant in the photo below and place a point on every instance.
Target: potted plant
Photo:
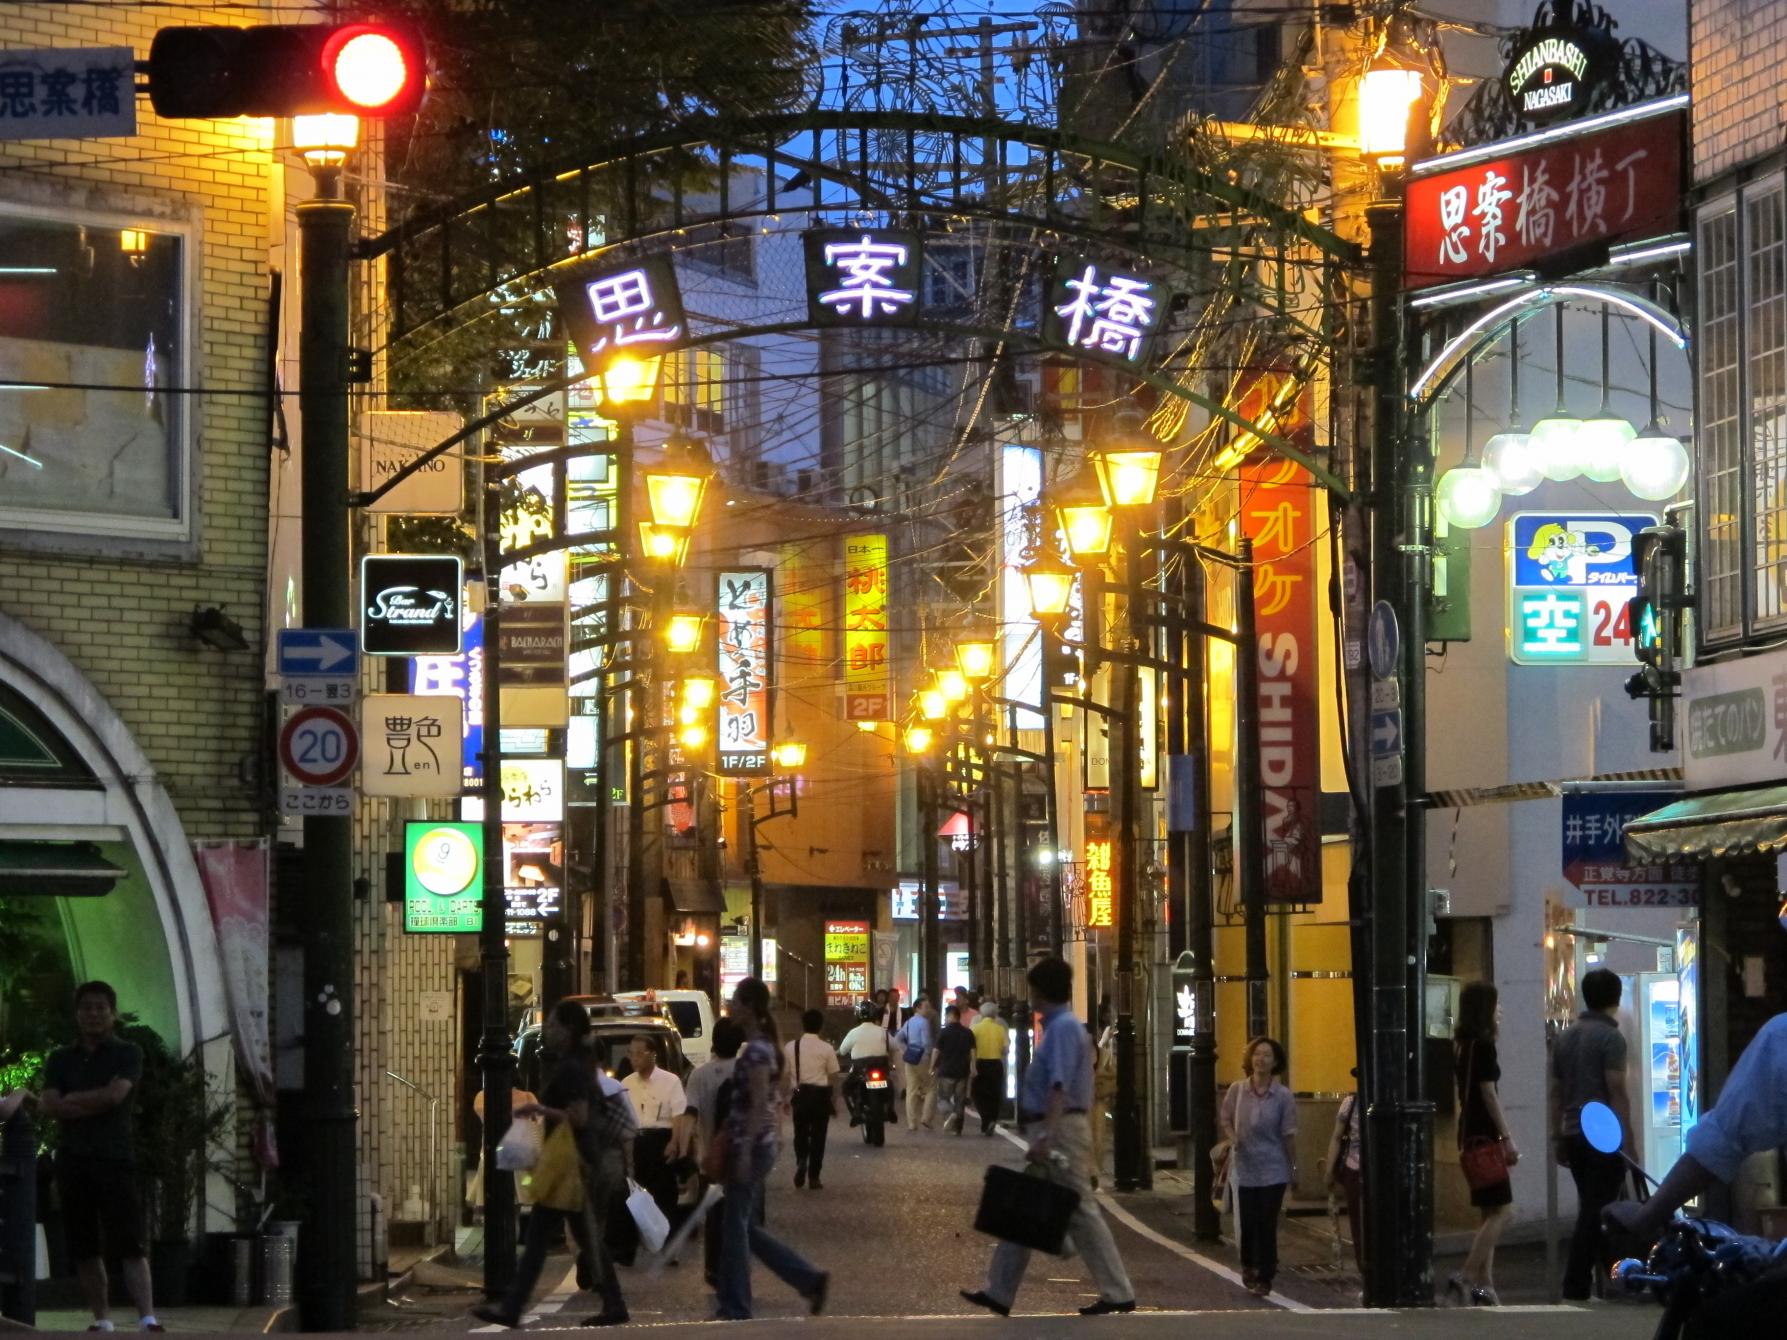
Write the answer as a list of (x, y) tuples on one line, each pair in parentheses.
[(177, 1122)]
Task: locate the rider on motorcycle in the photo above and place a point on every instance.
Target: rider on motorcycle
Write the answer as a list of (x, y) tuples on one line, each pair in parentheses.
[(866, 1043)]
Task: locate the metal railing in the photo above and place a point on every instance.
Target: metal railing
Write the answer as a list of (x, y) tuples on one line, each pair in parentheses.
[(434, 1155)]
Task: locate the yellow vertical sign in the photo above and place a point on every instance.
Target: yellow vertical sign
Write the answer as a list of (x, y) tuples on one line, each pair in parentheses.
[(868, 672), (800, 593)]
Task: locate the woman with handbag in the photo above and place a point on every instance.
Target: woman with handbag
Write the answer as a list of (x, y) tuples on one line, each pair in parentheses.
[(1259, 1119), (1485, 1147)]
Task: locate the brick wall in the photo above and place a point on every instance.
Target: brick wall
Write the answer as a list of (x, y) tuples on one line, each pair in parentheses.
[(1739, 96)]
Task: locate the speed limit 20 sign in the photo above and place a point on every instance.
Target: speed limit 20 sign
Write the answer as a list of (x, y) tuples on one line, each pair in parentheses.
[(319, 746)]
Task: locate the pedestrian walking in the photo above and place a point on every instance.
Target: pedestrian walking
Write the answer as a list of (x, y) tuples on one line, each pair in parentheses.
[(88, 1088), (814, 1067), (709, 1095), (916, 1040), (658, 1103), (1259, 1120), (952, 1064), (1486, 1146), (1345, 1146), (991, 1038), (967, 1007), (747, 1154), (1588, 1065), (1054, 1108), (606, 1143)]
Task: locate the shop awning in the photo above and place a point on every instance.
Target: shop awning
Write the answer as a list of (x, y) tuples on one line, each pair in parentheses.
[(696, 897), (55, 870), (1719, 823)]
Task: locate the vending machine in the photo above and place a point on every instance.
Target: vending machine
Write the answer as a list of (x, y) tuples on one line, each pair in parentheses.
[(1657, 1093)]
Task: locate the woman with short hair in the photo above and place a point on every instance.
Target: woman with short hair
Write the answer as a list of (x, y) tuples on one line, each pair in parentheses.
[(1259, 1119)]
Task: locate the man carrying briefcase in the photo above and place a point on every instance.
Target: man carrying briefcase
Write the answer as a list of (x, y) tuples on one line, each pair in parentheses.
[(1054, 1108)]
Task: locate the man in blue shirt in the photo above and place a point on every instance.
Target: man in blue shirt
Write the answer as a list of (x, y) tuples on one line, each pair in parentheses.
[(1750, 1116), (1057, 1097), (916, 1039)]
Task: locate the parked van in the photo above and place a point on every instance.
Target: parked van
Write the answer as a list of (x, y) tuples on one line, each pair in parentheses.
[(693, 1013)]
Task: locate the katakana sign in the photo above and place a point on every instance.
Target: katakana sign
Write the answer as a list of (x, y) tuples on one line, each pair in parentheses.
[(1594, 851), (1105, 310), (636, 308), (1570, 578), (1487, 215), (742, 749), (868, 673), (68, 95), (862, 276)]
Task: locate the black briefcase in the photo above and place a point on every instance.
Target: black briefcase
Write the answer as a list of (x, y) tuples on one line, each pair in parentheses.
[(1026, 1208)]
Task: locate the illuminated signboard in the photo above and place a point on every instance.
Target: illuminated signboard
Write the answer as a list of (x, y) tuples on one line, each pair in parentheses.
[(1105, 310), (443, 874), (801, 587), (533, 790), (1552, 73), (846, 962), (463, 677), (1100, 893), (744, 652), (868, 673), (862, 276), (410, 604), (1020, 536), (637, 307), (1570, 578), (533, 874)]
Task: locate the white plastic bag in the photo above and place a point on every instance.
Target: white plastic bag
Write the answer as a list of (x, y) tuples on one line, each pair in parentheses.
[(653, 1227), (519, 1149)]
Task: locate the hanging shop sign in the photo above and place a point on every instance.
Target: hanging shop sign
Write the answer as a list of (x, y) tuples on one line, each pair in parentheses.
[(1020, 537), (410, 604), (1595, 861), (1570, 578), (533, 875), (1108, 311), (846, 962), (863, 276), (1279, 514), (410, 744), (462, 676), (868, 672), (1520, 203), (1101, 900), (392, 439), (636, 308), (801, 589), (1553, 71), (742, 749), (1735, 727), (443, 875), (533, 790)]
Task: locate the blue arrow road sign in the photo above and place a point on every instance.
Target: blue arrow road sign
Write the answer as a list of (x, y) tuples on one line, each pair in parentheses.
[(321, 652), (1386, 733)]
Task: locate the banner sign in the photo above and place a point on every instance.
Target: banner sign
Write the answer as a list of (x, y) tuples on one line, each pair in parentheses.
[(801, 588), (1488, 215), (1100, 892), (637, 307), (1594, 850), (846, 963), (1105, 310), (443, 877), (1020, 537), (863, 276), (1279, 514), (744, 650), (1736, 722), (1554, 70), (68, 94), (1570, 578), (234, 873), (868, 673), (463, 677), (533, 875)]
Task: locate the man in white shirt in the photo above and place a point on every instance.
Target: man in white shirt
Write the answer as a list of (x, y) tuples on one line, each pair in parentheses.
[(658, 1101), (813, 1071)]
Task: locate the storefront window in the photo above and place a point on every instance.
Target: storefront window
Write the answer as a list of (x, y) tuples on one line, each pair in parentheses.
[(93, 425)]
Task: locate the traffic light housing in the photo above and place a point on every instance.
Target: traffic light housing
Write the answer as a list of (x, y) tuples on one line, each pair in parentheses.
[(360, 69), (1656, 617)]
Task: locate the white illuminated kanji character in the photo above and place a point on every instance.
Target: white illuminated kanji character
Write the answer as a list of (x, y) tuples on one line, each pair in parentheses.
[(1629, 166), (1536, 214), (624, 303), (1492, 194), (865, 281), (1587, 195), (1113, 317), (1453, 229), (1553, 625), (1573, 831)]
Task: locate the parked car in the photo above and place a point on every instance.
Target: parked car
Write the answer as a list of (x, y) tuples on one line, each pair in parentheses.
[(615, 1029), (693, 1012)]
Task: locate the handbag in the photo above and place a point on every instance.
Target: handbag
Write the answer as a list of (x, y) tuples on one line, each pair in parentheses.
[(519, 1149), (1483, 1160), (913, 1054), (716, 1159), (653, 1227), (556, 1182), (1028, 1208)]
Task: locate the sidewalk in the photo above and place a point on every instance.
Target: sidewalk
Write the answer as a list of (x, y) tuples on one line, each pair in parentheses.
[(191, 1320)]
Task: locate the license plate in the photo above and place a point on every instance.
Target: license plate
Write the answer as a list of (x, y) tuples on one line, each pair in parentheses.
[(877, 1084)]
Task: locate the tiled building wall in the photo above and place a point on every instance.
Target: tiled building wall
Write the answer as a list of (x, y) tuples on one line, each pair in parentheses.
[(1739, 95)]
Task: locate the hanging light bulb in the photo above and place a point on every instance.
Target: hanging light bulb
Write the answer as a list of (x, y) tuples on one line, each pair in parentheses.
[(1654, 465), (1508, 456), (1555, 436), (1601, 440), (1466, 495)]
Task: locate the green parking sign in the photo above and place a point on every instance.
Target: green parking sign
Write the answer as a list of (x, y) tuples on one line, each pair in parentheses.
[(443, 877)]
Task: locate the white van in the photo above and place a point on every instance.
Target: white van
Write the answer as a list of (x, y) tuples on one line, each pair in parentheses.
[(691, 1011)]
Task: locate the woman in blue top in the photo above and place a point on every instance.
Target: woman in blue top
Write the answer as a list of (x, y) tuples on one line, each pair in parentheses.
[(1259, 1119)]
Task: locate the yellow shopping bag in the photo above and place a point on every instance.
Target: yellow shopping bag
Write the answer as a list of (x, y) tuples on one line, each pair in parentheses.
[(556, 1181)]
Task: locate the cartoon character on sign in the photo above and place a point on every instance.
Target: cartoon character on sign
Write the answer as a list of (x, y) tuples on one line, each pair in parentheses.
[(1562, 555)]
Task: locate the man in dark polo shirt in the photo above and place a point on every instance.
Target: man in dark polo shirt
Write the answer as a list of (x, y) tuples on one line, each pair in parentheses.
[(88, 1087), (1588, 1065)]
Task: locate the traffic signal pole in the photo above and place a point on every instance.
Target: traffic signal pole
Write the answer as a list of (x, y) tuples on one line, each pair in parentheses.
[(326, 1256)]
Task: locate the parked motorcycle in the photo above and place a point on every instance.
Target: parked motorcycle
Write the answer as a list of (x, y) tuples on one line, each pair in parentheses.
[(869, 1092)]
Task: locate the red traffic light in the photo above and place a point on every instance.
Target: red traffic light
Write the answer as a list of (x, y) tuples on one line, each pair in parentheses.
[(365, 69)]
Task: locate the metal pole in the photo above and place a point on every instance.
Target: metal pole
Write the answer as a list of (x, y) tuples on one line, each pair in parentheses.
[(930, 948), (326, 1295), (496, 1060), (1052, 802), (1128, 1156), (1247, 827), (747, 810), (1200, 901)]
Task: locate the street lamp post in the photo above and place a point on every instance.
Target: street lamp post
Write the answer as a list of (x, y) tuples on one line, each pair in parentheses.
[(325, 227), (789, 758)]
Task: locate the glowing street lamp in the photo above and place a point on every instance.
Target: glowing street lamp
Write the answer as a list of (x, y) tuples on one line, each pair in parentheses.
[(1129, 468), (1084, 516), (953, 685), (1049, 582), (326, 139), (700, 691), (977, 659), (932, 705), (790, 755), (919, 739), (675, 487), (629, 382), (659, 544), (1387, 93), (682, 635)]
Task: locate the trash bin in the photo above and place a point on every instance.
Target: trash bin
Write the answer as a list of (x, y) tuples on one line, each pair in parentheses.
[(278, 1254), (244, 1249)]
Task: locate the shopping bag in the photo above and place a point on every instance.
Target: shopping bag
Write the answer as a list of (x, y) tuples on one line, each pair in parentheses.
[(519, 1149), (684, 1231), (556, 1181), (1026, 1208), (653, 1227)]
